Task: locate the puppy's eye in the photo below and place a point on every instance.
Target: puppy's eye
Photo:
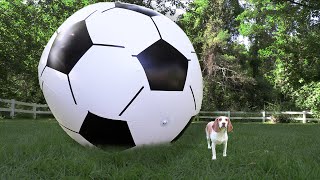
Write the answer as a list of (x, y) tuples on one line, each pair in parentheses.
[(220, 119)]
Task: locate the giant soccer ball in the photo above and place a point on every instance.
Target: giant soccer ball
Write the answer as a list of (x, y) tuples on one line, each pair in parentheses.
[(117, 74)]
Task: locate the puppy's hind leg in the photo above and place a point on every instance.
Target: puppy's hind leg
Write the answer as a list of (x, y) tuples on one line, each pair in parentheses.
[(208, 138)]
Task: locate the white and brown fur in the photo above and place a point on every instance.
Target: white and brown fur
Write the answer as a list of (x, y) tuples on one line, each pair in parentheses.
[(217, 132)]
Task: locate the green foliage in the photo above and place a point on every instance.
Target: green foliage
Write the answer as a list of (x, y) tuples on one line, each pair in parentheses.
[(308, 97), (284, 35), (229, 83), (194, 22)]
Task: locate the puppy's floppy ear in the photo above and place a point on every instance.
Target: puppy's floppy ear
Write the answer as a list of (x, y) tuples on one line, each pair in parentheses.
[(215, 125), (230, 127)]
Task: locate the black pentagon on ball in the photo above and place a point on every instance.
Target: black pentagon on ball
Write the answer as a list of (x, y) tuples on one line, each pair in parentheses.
[(68, 47), (136, 8), (104, 132), (165, 67)]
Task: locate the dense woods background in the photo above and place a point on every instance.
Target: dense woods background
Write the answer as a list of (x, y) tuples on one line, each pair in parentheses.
[(278, 69)]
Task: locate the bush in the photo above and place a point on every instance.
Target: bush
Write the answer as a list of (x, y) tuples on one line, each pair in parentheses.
[(308, 97), (281, 118)]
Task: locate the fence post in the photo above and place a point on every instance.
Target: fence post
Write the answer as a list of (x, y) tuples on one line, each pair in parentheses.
[(229, 114), (12, 108), (263, 116), (304, 117), (34, 109)]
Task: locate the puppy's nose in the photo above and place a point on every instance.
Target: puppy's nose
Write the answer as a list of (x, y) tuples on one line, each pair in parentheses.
[(223, 124)]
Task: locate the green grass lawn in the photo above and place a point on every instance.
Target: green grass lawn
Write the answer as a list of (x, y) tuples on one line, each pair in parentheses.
[(39, 149)]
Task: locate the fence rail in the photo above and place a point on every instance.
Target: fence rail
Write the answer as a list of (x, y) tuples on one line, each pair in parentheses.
[(263, 115), (28, 108), (35, 109)]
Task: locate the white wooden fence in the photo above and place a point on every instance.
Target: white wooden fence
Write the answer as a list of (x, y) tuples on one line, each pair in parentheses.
[(32, 108), (28, 108), (263, 115)]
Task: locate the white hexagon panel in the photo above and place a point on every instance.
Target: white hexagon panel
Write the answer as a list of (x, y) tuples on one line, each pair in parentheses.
[(117, 74)]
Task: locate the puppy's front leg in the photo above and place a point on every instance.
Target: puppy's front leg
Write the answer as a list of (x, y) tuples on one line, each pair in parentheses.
[(225, 144), (213, 146)]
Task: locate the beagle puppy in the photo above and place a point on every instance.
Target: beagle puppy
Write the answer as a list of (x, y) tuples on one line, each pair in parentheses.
[(217, 132)]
